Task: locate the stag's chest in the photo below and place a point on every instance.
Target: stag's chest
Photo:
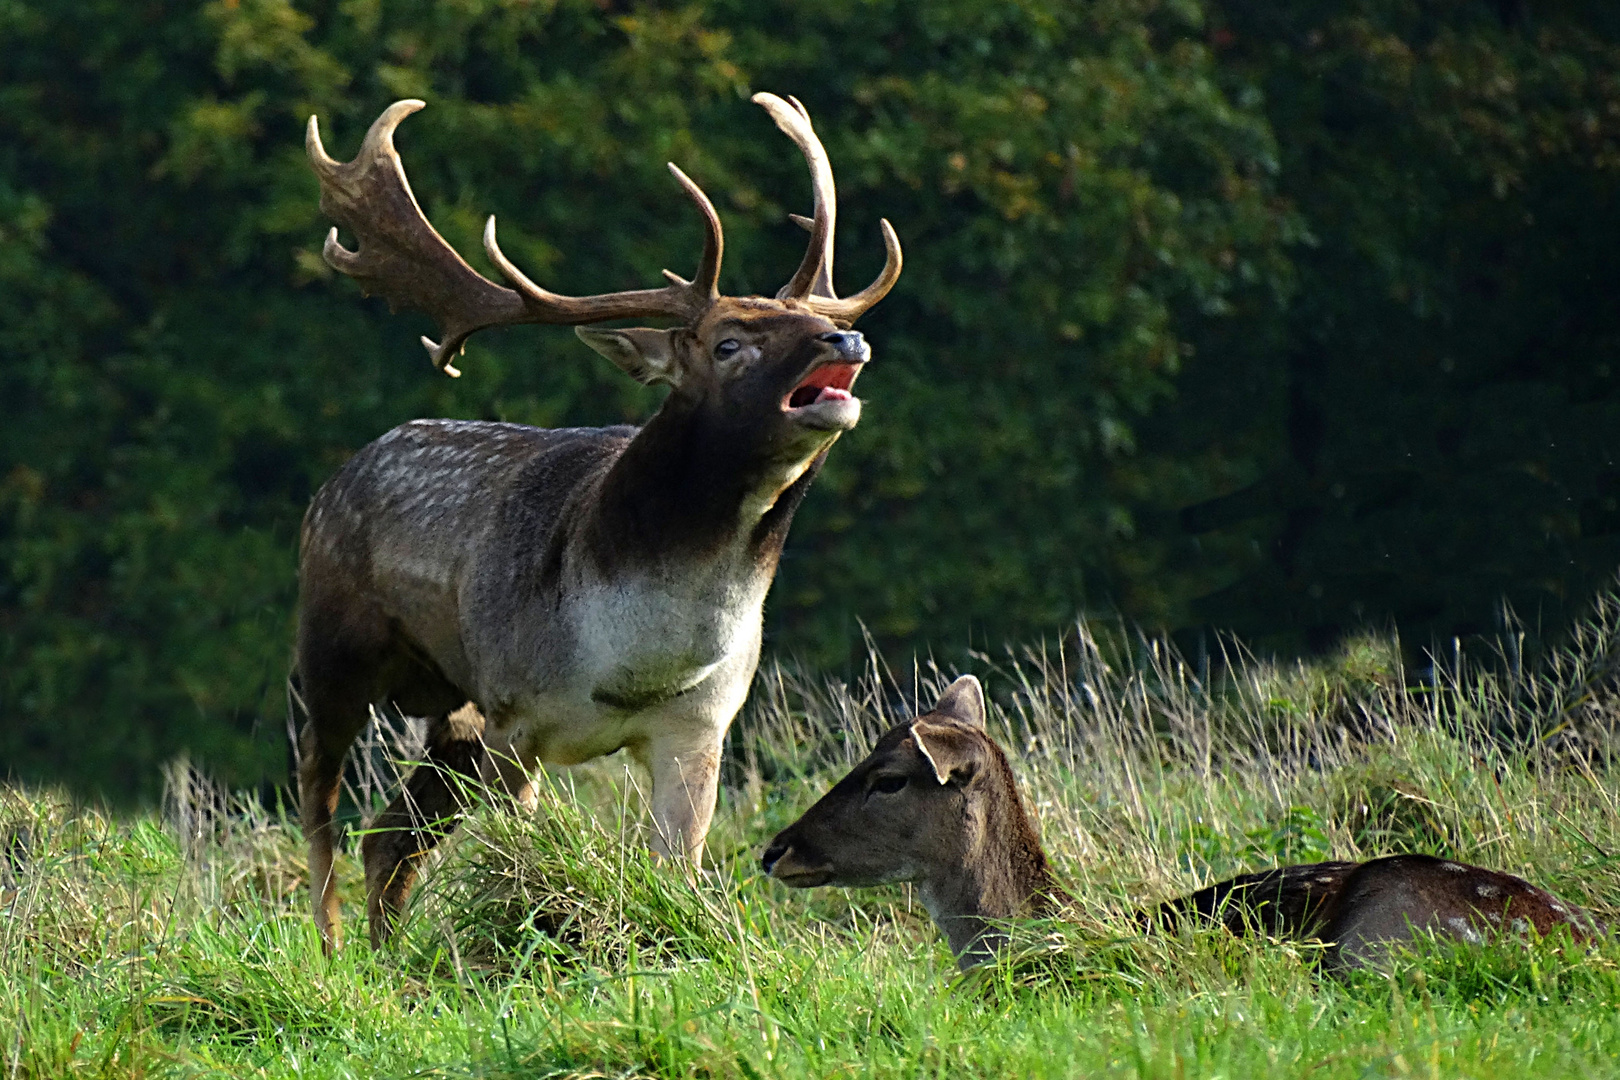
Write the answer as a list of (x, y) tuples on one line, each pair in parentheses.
[(644, 637), (647, 658)]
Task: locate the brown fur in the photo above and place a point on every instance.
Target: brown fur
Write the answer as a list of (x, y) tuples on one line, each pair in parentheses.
[(410, 826), (1363, 909), (1285, 902), (959, 829)]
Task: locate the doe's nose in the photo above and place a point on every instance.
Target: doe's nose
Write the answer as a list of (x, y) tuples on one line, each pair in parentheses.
[(849, 343), (773, 853)]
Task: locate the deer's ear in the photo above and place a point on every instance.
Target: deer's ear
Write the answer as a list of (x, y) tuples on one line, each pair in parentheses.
[(648, 356), (954, 752), (963, 701)]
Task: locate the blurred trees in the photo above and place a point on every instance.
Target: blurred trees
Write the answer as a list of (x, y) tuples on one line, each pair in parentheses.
[(1444, 391), (1275, 318)]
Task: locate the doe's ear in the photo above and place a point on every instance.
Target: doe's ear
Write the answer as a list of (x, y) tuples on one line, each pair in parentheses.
[(648, 356), (956, 752), (963, 701)]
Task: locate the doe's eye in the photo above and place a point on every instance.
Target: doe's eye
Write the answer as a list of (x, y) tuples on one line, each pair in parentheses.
[(888, 785), (727, 348)]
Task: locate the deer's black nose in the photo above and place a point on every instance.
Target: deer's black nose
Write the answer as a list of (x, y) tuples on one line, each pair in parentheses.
[(775, 851), (850, 344)]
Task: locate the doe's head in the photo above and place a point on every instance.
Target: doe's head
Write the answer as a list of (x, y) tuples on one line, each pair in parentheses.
[(909, 812)]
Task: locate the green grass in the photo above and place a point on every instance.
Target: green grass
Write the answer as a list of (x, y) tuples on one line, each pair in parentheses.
[(178, 944)]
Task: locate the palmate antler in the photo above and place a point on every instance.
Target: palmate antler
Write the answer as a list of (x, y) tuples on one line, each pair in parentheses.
[(402, 258)]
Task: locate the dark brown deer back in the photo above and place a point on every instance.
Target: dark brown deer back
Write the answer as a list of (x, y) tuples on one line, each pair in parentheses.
[(1386, 901), (1362, 909), (1285, 902), (441, 513)]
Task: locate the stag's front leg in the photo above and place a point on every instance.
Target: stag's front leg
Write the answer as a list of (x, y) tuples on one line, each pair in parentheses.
[(685, 781)]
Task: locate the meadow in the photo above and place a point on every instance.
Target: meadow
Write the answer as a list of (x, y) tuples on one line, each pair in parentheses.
[(178, 942)]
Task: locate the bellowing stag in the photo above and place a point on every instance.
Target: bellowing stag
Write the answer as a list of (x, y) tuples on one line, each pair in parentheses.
[(556, 595)]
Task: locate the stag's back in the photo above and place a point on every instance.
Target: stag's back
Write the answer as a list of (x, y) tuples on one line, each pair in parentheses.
[(439, 512)]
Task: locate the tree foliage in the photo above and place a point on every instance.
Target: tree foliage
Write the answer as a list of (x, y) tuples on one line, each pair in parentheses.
[(1443, 396), (1277, 318)]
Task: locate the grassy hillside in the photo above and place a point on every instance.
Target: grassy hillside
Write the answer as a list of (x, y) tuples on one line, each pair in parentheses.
[(179, 945)]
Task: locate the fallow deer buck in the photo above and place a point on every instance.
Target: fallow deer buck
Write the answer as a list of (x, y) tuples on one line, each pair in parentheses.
[(556, 595), (935, 803)]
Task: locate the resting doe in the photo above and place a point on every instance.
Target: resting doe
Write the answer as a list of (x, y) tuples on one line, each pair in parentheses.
[(936, 804)]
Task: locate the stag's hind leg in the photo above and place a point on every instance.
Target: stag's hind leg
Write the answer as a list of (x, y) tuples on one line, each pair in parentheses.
[(336, 709)]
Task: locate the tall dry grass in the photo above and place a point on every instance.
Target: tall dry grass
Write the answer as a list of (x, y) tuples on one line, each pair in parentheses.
[(552, 944)]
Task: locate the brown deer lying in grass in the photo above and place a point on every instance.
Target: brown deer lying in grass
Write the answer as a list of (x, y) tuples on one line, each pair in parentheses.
[(587, 589), (936, 804)]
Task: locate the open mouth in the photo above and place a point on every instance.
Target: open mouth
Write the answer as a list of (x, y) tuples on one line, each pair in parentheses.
[(829, 382)]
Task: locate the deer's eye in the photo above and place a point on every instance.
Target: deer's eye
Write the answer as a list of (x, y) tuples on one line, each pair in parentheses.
[(888, 785), (727, 348)]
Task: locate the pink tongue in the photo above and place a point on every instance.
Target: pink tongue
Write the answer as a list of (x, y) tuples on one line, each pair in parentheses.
[(833, 393)]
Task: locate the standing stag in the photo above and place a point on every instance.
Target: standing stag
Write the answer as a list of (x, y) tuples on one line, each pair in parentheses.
[(936, 804), (556, 595)]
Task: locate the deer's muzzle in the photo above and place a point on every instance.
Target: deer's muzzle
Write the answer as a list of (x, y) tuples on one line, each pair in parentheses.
[(822, 398), (789, 864)]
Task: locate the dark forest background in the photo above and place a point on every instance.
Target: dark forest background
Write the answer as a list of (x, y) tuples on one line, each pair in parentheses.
[(1279, 319)]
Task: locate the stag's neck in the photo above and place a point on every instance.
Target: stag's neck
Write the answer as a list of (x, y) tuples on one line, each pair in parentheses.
[(1003, 874), (691, 488)]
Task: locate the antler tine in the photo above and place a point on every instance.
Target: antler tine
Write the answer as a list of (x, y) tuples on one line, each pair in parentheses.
[(690, 297), (403, 258), (679, 299), (812, 283), (814, 275), (379, 139), (851, 308), (706, 282)]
